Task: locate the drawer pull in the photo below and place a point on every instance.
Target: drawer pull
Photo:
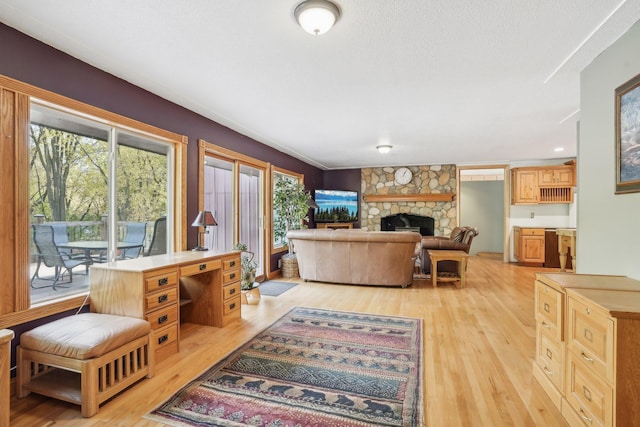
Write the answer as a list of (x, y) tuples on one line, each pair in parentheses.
[(549, 354), (202, 267), (587, 310), (584, 416), (232, 264), (586, 393), (232, 306), (548, 371), (587, 358), (163, 298), (546, 307), (588, 335), (162, 319), (232, 291), (232, 276), (163, 281), (546, 325), (163, 339)]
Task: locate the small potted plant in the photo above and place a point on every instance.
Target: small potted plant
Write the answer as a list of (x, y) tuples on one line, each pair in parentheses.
[(249, 266)]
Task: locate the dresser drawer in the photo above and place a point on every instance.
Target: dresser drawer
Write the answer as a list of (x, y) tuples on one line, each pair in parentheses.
[(163, 317), (591, 338), (550, 356), (160, 280), (588, 394), (201, 267), (230, 291), (231, 306), (549, 308), (230, 276), (231, 263), (160, 299)]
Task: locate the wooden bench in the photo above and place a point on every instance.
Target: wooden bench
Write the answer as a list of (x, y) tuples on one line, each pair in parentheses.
[(84, 359)]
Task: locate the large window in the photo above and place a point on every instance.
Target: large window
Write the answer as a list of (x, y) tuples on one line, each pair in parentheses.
[(279, 242), (84, 174), (98, 191)]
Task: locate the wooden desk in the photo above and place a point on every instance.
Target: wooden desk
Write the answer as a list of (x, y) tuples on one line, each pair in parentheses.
[(193, 287), (6, 336), (444, 255), (566, 241)]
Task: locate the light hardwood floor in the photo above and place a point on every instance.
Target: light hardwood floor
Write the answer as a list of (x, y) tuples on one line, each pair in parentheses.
[(478, 351)]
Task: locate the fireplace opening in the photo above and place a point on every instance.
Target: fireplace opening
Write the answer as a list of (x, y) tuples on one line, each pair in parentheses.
[(408, 222)]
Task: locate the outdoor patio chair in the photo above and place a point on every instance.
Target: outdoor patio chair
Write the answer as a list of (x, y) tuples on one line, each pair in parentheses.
[(136, 233), (159, 240), (50, 255), (60, 237)]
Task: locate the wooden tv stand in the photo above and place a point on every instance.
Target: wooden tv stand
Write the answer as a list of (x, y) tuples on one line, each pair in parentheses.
[(334, 225), (192, 287)]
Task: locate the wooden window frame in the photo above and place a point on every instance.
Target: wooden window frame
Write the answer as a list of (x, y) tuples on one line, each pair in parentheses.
[(15, 104)]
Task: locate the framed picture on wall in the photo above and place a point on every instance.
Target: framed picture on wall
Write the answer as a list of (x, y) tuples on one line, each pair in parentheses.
[(628, 136)]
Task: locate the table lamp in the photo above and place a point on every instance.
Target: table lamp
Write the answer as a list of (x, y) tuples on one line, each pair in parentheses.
[(204, 219)]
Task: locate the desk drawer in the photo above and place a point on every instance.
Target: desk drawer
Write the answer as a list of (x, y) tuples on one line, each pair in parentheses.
[(231, 306), (590, 337), (165, 336), (588, 394), (231, 263), (160, 299), (163, 317), (231, 290), (230, 276), (550, 356), (549, 309), (200, 267), (160, 280)]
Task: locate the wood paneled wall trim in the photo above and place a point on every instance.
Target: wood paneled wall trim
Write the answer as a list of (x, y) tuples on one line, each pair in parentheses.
[(95, 113)]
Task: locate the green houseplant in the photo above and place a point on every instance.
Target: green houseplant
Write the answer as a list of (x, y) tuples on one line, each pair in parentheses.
[(248, 266), (290, 208)]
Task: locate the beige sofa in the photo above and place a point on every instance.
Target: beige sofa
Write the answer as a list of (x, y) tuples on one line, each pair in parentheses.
[(356, 257)]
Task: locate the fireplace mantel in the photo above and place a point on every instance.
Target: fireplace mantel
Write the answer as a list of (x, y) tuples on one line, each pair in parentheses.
[(433, 197)]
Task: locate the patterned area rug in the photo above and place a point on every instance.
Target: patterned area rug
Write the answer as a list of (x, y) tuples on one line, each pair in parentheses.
[(272, 288), (312, 367)]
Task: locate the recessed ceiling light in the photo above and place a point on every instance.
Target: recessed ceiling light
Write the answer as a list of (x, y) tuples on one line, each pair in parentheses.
[(558, 149)]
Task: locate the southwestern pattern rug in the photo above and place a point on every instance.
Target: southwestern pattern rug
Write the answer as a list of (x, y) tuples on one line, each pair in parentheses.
[(312, 367)]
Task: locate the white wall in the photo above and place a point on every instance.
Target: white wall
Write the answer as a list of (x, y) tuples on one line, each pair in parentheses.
[(482, 206), (608, 236)]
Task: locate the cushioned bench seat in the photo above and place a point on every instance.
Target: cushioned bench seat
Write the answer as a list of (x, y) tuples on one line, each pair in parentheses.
[(84, 359)]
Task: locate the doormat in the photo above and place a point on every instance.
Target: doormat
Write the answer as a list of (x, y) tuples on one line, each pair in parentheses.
[(272, 288), (313, 367)]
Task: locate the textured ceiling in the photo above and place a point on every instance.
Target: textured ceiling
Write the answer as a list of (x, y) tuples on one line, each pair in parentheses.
[(442, 81)]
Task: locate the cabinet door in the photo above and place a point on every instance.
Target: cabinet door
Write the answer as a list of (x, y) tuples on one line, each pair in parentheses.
[(561, 176), (517, 243), (524, 186), (533, 249)]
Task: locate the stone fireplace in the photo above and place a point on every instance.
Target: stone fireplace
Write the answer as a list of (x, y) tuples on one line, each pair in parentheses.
[(431, 193), (408, 222)]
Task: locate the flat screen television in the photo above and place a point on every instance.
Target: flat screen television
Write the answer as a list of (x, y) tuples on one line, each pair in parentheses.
[(336, 206)]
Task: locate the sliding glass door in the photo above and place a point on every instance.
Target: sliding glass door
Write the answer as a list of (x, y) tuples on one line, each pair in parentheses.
[(233, 190)]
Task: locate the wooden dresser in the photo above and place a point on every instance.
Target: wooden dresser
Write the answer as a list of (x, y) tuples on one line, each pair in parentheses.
[(192, 287), (587, 341)]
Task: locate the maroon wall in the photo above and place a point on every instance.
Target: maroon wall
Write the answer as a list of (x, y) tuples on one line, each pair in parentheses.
[(28, 60)]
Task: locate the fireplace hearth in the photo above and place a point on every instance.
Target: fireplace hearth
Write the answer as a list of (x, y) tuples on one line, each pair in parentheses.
[(408, 222)]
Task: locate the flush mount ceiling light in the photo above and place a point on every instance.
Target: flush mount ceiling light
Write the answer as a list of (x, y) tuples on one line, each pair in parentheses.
[(384, 148), (316, 16)]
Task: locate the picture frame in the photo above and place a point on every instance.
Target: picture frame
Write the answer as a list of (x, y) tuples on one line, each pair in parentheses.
[(627, 102)]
